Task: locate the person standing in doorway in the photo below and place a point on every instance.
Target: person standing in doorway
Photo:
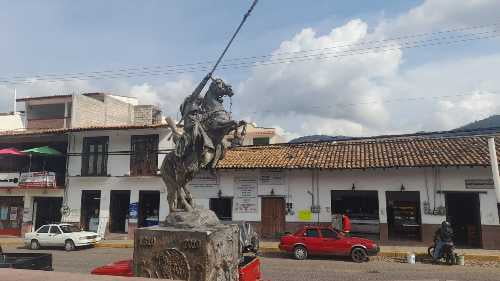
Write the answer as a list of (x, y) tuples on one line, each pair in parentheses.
[(346, 224)]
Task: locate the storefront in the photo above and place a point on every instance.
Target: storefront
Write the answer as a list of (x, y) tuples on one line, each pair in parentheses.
[(361, 207), (465, 219), (46, 210), (89, 211), (11, 215), (149, 207), (403, 215)]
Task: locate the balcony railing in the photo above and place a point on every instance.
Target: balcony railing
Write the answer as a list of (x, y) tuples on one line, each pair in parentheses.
[(31, 180)]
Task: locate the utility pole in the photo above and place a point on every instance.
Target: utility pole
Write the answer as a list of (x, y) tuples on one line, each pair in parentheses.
[(15, 100)]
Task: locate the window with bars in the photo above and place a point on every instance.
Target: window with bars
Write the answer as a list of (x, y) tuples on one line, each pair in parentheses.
[(95, 156), (144, 156)]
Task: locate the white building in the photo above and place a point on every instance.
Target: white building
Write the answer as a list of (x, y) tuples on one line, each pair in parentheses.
[(116, 186), (32, 186), (113, 173), (13, 121), (395, 189), (256, 135)]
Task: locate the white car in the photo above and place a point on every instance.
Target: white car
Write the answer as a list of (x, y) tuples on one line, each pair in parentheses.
[(54, 235)]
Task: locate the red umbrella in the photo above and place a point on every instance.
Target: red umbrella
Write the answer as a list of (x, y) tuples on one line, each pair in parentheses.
[(11, 151)]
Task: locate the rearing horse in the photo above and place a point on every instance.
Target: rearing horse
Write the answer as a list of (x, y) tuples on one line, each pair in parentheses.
[(217, 121), (201, 146)]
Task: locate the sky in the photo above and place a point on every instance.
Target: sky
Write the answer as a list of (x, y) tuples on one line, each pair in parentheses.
[(355, 68)]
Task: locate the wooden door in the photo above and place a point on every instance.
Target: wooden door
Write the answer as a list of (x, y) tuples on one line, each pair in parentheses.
[(273, 216)]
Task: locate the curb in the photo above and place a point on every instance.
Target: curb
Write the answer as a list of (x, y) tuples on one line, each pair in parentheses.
[(12, 243), (115, 245), (387, 254), (420, 255)]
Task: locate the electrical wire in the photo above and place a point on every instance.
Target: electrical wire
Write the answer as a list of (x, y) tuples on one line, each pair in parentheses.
[(321, 56), (196, 67), (387, 101), (337, 45)]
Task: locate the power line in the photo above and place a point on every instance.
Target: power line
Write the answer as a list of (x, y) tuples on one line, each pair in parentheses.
[(321, 56), (396, 100), (195, 67), (338, 45)]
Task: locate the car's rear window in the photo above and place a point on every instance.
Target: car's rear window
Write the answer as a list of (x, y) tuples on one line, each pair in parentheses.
[(312, 232), (69, 228)]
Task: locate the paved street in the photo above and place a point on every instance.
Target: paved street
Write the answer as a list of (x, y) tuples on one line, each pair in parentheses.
[(278, 267), (83, 260)]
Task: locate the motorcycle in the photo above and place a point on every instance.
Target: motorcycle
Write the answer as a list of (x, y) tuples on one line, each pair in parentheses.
[(448, 253)]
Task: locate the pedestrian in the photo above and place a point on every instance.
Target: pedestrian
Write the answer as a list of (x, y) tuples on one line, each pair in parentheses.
[(346, 224)]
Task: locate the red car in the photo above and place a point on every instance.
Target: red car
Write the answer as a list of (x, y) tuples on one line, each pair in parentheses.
[(249, 270), (119, 268), (318, 240)]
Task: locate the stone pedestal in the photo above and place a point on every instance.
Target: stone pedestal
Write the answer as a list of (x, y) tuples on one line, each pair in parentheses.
[(204, 253)]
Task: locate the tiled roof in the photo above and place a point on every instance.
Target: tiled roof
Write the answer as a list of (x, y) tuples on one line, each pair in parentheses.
[(79, 129), (361, 154)]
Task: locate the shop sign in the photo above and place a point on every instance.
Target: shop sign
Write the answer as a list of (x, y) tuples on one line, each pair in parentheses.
[(272, 177), (27, 214), (305, 215), (37, 180), (13, 213), (205, 182), (245, 194), (479, 184), (133, 210), (9, 179)]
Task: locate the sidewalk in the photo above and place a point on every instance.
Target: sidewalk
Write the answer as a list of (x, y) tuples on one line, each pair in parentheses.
[(402, 251), (272, 247)]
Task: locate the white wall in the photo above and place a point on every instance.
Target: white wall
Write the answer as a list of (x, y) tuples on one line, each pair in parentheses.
[(118, 169), (119, 140), (297, 182), (105, 185), (293, 188), (16, 121)]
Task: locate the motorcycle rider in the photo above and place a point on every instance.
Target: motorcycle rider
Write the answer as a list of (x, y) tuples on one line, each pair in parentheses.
[(442, 237)]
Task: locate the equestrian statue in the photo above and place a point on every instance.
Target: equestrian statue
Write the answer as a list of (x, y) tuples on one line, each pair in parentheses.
[(200, 144)]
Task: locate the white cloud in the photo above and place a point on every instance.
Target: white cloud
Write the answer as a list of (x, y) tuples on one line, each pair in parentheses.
[(309, 93), (468, 87), (168, 95), (348, 96), (434, 15), (316, 97)]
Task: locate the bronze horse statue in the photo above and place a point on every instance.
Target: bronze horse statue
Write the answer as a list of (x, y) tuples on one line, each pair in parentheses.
[(201, 144)]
